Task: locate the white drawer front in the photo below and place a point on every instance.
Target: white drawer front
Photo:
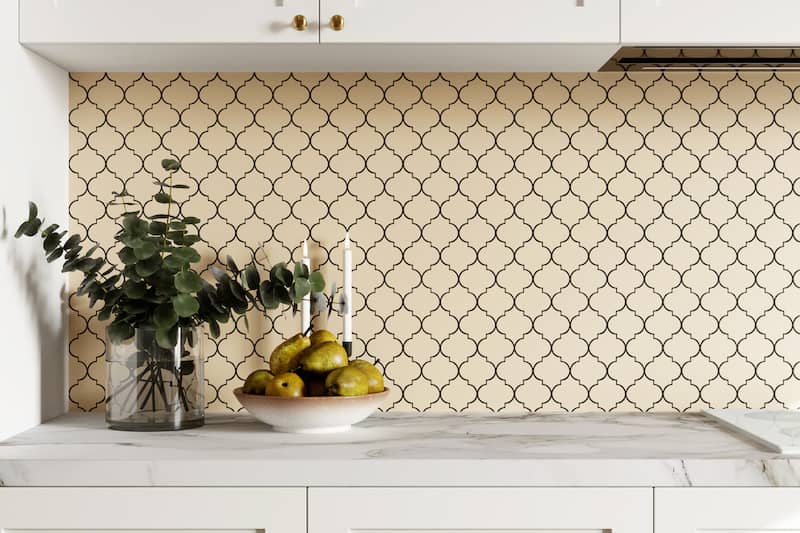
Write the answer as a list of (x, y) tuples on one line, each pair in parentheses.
[(486, 510), (727, 510), (151, 510)]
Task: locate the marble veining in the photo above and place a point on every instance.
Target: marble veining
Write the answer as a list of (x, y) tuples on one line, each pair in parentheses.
[(401, 449)]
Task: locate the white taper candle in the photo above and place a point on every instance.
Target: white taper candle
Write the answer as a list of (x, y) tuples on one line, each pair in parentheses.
[(347, 267), (305, 309)]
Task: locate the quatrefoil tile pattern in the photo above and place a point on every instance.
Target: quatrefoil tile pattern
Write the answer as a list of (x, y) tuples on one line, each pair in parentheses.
[(523, 242)]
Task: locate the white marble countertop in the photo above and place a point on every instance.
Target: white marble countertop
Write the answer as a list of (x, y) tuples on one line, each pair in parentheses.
[(400, 450)]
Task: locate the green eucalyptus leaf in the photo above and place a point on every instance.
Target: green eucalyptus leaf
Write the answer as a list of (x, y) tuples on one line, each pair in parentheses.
[(120, 331), (167, 338), (110, 282), (130, 272), (99, 263), (85, 264), (134, 289), (267, 295), (317, 282), (189, 240), (300, 270), (300, 288), (95, 295), (54, 254), (32, 227), (185, 305), (176, 237), (127, 256), (180, 186), (177, 224), (104, 314), (49, 229), (170, 164), (72, 242), (175, 263), (191, 220), (163, 282), (72, 253), (237, 290), (281, 274), (136, 307), (164, 316), (130, 222), (187, 254), (69, 265), (21, 230), (145, 249), (282, 293), (162, 197), (219, 274), (213, 328), (33, 211), (157, 228), (252, 277), (148, 267), (232, 265), (188, 281), (85, 286), (51, 241)]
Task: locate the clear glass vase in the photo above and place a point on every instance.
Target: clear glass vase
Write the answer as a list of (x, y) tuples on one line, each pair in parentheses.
[(154, 389)]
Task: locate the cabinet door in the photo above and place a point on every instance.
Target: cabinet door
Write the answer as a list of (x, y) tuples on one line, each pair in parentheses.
[(166, 21), (727, 510), (153, 510), (471, 21), (428, 510), (711, 22)]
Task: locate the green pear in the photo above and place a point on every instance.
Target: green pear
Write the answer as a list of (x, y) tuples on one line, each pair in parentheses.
[(373, 375), (287, 385), (348, 381), (322, 358), (256, 382), (285, 356), (322, 335)]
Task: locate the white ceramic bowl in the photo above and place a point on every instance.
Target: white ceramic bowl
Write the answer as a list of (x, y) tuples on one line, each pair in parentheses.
[(311, 414)]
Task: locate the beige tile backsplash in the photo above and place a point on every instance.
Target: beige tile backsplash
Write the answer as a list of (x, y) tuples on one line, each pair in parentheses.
[(523, 241)]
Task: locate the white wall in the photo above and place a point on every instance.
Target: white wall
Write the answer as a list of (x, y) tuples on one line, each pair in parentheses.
[(33, 165)]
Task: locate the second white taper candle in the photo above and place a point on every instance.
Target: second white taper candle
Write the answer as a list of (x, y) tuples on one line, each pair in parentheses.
[(347, 288), (305, 309)]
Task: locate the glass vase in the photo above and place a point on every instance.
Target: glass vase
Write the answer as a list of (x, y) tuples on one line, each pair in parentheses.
[(155, 389)]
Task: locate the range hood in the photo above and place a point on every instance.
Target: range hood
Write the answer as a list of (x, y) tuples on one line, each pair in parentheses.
[(633, 58)]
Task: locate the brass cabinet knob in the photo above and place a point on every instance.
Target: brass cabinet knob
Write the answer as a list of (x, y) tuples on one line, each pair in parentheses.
[(337, 23), (300, 22)]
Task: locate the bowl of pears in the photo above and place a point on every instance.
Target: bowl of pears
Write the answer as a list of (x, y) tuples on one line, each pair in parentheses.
[(312, 387)]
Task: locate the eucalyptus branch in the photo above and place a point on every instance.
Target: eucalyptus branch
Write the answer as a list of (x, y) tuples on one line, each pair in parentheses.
[(154, 283)]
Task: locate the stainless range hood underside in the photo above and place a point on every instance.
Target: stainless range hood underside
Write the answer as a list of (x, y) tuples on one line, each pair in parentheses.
[(633, 58)]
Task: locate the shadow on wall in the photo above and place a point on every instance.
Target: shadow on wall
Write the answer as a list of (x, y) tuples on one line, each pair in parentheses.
[(27, 272)]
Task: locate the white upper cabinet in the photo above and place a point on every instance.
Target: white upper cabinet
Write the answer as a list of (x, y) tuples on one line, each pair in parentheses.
[(167, 21), (711, 22), (469, 21)]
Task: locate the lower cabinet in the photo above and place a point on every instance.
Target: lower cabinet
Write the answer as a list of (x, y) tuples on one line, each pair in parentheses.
[(153, 510), (480, 510), (400, 510), (727, 510)]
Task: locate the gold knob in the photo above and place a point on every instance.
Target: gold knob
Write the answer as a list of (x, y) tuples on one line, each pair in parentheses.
[(300, 22), (337, 22)]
